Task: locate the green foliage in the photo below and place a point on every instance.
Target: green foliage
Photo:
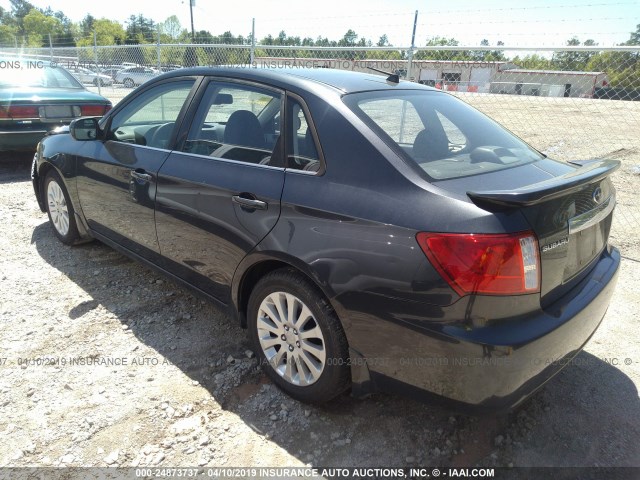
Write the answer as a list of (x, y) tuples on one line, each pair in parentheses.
[(25, 22), (443, 54), (40, 26), (108, 32), (533, 62), (634, 38), (573, 61), (171, 28), (140, 29)]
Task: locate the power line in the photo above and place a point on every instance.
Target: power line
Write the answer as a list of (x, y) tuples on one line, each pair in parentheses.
[(540, 7)]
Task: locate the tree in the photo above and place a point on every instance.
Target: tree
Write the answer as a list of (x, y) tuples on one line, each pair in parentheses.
[(498, 55), (66, 36), (634, 38), (38, 27), (204, 36), (481, 55), (533, 62), (86, 25), (171, 27), (19, 10), (576, 61), (349, 39), (140, 30), (108, 32), (443, 54), (383, 41), (8, 28)]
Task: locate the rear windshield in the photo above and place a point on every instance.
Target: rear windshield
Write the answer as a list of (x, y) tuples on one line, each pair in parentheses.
[(444, 136), (24, 74)]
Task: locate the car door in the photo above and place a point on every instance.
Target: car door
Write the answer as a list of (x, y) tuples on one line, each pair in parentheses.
[(116, 178), (219, 193)]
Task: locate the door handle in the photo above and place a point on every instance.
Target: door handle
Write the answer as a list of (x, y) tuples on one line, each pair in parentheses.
[(140, 174), (251, 203)]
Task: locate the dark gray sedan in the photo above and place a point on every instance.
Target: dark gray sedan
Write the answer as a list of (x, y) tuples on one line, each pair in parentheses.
[(370, 234)]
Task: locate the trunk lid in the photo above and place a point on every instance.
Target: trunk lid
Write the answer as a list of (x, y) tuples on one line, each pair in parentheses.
[(569, 208)]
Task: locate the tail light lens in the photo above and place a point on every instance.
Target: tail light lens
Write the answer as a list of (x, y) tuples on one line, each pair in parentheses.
[(19, 111), (486, 264), (93, 110)]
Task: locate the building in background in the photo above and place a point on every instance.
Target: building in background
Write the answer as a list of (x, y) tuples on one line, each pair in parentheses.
[(548, 83)]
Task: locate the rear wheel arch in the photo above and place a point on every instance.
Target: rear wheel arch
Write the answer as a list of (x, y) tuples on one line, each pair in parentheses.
[(297, 336), (257, 270)]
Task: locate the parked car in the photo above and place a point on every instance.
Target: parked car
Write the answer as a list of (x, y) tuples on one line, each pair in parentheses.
[(368, 232), (169, 68), (35, 98), (132, 76), (112, 71), (87, 76)]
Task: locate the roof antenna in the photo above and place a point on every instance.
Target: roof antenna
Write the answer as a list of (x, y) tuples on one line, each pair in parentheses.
[(392, 78)]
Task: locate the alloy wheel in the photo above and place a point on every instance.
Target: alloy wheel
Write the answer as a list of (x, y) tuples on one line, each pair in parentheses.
[(58, 208), (291, 339)]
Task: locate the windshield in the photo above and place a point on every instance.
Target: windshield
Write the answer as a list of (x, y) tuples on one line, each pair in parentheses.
[(19, 73), (444, 136)]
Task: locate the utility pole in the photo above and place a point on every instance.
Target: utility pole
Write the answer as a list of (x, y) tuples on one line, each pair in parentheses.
[(253, 42), (193, 33), (413, 46)]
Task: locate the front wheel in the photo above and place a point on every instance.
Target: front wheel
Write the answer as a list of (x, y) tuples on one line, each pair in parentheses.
[(298, 337), (59, 209)]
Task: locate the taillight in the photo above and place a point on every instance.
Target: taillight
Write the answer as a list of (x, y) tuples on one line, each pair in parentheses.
[(485, 264), (19, 111), (92, 110)]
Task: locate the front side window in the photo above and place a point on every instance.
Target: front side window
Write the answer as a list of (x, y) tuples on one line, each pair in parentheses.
[(237, 122), (150, 118), (444, 136)]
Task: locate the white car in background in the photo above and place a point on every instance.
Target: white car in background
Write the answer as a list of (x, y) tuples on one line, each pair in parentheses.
[(132, 76), (87, 76)]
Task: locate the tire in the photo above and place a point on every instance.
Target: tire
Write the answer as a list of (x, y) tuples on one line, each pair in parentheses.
[(60, 210), (306, 355), (129, 83), (96, 82)]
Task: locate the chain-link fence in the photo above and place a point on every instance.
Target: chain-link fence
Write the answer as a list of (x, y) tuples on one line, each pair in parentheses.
[(565, 102), (568, 102)]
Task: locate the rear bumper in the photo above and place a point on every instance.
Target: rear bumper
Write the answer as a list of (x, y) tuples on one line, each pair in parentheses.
[(493, 367), (20, 140)]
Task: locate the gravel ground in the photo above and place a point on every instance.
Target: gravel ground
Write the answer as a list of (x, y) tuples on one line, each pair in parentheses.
[(124, 368)]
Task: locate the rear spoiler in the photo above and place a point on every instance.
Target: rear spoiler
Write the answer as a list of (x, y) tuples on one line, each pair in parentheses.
[(590, 171)]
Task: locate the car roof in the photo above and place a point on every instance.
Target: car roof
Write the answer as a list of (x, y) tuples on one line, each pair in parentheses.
[(342, 80)]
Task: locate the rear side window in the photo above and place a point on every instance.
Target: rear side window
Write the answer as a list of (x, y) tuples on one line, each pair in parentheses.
[(302, 153), (444, 136)]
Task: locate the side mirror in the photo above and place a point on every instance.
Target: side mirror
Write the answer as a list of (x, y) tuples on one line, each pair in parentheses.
[(84, 129)]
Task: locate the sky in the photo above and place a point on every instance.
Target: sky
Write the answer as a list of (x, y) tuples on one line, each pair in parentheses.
[(531, 23)]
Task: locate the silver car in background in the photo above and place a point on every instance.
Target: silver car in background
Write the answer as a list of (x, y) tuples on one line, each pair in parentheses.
[(132, 76), (87, 76)]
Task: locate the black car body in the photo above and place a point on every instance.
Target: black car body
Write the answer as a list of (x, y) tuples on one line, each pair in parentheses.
[(474, 273)]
